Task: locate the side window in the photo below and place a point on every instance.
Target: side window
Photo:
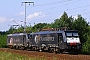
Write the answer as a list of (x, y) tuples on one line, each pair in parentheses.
[(40, 38), (11, 40), (24, 37), (52, 38), (28, 36)]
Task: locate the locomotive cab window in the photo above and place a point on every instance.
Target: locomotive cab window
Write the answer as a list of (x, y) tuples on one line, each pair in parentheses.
[(72, 34), (68, 34), (75, 34)]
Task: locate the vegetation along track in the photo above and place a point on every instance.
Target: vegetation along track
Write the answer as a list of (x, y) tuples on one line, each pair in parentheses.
[(48, 56)]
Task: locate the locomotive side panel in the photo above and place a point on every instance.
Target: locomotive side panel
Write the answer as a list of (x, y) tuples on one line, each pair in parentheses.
[(9, 42), (17, 41), (49, 40), (43, 40), (34, 39)]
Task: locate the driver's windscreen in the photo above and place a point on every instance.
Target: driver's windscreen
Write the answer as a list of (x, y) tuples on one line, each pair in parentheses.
[(74, 34)]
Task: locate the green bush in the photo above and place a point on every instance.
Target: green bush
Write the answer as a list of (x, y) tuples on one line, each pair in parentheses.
[(86, 46), (3, 41)]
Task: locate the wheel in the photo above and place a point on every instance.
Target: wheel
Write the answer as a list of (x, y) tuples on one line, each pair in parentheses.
[(11, 47), (59, 51), (17, 47), (40, 50)]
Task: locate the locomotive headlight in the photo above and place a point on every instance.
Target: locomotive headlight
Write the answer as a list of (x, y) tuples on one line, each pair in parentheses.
[(50, 46), (14, 44), (67, 39), (27, 44), (20, 44)]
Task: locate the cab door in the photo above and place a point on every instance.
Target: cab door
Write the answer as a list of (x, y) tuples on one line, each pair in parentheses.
[(60, 41), (24, 38)]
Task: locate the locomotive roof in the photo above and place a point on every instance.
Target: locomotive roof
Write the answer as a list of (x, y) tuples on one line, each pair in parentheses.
[(47, 32), (72, 30), (16, 34)]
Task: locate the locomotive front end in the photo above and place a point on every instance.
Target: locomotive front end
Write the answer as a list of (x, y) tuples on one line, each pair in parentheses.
[(73, 41)]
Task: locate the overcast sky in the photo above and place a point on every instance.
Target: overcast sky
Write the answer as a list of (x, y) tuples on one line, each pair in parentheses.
[(12, 12)]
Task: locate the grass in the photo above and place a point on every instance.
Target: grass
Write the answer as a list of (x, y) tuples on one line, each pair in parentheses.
[(11, 56)]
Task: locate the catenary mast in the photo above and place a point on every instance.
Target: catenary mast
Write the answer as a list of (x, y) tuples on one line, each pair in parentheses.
[(25, 13)]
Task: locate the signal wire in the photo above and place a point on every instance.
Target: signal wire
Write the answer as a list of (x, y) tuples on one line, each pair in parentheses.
[(58, 2), (14, 11), (68, 9), (57, 6)]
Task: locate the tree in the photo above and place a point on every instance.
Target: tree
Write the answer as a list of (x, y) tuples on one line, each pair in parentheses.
[(56, 23), (64, 21), (81, 25), (39, 26), (86, 45), (10, 30), (70, 26)]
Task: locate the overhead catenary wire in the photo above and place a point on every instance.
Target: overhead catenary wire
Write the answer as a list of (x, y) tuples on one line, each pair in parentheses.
[(49, 4), (55, 7), (52, 13), (75, 8), (57, 18), (14, 11), (16, 15), (66, 10), (52, 3), (58, 5), (71, 15), (37, 5)]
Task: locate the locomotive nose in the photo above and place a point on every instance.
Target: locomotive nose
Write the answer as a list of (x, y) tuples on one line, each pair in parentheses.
[(73, 44)]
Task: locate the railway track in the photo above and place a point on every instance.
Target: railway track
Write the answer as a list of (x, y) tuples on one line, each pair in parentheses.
[(48, 56)]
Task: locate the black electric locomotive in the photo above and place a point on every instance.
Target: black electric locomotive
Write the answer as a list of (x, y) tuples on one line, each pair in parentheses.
[(18, 40), (54, 41)]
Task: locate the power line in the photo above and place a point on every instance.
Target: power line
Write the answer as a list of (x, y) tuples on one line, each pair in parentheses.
[(55, 3), (58, 6), (55, 6), (68, 9), (52, 3), (82, 13), (14, 11), (71, 15)]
